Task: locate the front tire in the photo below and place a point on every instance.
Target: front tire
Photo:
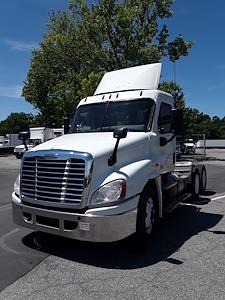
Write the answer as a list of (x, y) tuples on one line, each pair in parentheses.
[(147, 216)]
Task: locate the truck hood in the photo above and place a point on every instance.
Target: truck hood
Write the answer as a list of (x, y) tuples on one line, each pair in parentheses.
[(96, 143)]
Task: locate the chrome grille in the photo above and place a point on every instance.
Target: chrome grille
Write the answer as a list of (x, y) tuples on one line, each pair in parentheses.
[(53, 180)]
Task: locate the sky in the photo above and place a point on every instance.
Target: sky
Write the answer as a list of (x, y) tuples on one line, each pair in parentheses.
[(201, 74)]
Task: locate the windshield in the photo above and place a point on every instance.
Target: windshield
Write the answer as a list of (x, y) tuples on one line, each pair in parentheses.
[(132, 114)]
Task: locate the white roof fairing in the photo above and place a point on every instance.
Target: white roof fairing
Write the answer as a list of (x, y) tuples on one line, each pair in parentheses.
[(144, 77)]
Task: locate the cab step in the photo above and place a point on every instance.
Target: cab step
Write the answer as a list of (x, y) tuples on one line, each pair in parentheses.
[(169, 208)]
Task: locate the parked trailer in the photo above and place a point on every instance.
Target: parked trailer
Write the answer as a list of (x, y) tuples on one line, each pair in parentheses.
[(211, 144), (7, 144), (38, 135), (12, 140)]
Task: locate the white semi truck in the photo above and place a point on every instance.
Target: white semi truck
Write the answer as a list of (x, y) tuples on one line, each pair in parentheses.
[(188, 146), (115, 173)]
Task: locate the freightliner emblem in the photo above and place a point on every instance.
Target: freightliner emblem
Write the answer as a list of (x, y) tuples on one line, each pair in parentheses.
[(46, 156)]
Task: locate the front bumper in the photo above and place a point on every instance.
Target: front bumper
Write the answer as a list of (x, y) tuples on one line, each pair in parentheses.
[(106, 224)]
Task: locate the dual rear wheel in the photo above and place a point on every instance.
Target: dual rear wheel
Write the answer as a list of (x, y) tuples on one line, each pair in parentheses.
[(199, 181)]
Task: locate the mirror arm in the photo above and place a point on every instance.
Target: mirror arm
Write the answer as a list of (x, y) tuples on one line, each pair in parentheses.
[(112, 160), (25, 145)]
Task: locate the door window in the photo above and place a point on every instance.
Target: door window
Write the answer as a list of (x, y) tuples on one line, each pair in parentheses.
[(165, 118)]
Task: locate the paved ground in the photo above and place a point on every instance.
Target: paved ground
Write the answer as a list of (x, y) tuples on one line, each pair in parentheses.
[(219, 154), (9, 162), (15, 258), (184, 261)]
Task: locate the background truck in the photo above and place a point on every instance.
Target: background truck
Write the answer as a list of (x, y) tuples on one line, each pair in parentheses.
[(2, 140), (11, 140), (115, 173), (38, 135), (42, 134), (211, 143), (188, 146), (8, 143)]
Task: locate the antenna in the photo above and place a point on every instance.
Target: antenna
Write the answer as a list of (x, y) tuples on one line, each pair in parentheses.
[(174, 72)]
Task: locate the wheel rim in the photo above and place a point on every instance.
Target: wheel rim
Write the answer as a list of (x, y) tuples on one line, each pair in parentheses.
[(197, 184), (149, 220)]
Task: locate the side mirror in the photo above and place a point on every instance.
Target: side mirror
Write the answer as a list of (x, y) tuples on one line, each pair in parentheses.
[(24, 135), (120, 133), (177, 121)]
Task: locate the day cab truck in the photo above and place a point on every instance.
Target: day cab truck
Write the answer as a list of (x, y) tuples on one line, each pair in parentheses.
[(114, 174)]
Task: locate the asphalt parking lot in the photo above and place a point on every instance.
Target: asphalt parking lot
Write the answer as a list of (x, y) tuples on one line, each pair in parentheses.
[(185, 260)]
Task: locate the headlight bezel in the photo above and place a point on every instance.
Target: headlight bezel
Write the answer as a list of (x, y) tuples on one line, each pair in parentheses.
[(108, 186)]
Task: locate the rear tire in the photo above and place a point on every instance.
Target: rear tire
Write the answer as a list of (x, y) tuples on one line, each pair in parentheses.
[(195, 185), (203, 181)]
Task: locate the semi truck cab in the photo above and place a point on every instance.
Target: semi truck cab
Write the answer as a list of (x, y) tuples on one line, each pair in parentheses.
[(115, 173)]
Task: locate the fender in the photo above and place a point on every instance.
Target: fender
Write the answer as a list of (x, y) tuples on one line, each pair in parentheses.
[(136, 174)]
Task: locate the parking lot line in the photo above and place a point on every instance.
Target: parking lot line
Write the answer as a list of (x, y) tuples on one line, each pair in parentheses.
[(217, 198), (3, 241)]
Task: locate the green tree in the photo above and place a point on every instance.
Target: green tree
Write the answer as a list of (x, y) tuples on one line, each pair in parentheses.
[(16, 122), (176, 91), (196, 123), (89, 39)]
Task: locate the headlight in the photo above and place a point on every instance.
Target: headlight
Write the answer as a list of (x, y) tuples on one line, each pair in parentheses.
[(110, 192), (17, 185)]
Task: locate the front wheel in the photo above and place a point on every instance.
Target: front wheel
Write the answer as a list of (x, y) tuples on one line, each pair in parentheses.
[(147, 216)]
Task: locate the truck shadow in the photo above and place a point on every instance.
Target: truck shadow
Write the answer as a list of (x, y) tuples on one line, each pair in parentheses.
[(177, 228)]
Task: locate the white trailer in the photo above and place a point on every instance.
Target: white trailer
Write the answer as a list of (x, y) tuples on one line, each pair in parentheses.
[(38, 135), (115, 173), (43, 134), (211, 143), (56, 132), (12, 140)]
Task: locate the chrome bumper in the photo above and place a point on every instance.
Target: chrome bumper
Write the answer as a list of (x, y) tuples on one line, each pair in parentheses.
[(106, 224)]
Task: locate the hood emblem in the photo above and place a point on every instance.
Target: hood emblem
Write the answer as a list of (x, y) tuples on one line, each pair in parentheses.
[(46, 156)]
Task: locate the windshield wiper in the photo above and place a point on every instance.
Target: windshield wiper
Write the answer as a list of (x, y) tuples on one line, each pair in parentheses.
[(110, 128)]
